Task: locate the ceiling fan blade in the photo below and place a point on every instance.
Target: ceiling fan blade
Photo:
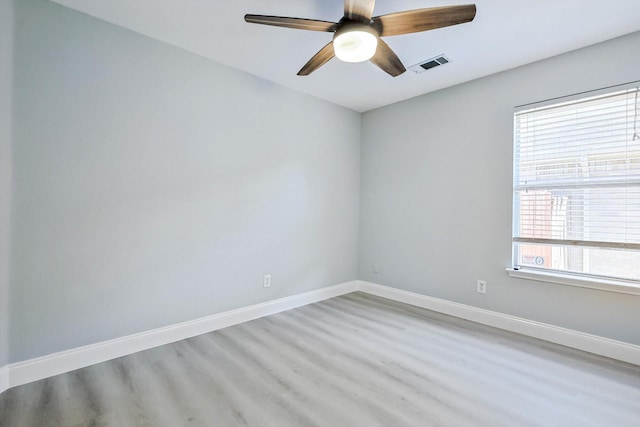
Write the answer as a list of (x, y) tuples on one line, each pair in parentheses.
[(296, 23), (318, 60), (387, 60), (359, 10), (413, 21)]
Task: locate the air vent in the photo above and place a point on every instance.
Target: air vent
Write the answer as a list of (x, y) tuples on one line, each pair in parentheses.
[(423, 66)]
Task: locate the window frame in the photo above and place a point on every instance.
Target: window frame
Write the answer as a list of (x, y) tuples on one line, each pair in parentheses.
[(563, 277)]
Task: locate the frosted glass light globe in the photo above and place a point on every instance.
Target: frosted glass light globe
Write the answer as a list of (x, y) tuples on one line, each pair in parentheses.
[(355, 46)]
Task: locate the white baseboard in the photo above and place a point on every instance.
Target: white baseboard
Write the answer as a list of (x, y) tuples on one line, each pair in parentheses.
[(46, 366), (591, 343)]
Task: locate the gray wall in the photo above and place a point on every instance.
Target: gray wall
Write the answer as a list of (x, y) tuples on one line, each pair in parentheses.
[(6, 84), (436, 192), (153, 186)]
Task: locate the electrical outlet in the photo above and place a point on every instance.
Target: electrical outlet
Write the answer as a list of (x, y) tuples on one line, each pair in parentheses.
[(482, 286), (267, 281)]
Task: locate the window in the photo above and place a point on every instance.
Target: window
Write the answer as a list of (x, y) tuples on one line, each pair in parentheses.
[(576, 187)]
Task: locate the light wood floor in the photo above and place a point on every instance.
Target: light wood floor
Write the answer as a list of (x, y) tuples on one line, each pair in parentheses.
[(355, 360)]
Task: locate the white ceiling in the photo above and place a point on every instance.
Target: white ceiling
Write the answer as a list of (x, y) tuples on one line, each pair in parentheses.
[(505, 34)]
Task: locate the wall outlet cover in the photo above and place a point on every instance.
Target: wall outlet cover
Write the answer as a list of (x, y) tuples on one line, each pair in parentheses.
[(482, 286)]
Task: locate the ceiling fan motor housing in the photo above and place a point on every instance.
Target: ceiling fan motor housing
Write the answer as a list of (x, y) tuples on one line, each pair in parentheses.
[(347, 25)]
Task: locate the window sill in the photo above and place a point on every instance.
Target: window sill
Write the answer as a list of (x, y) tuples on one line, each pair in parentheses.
[(603, 284)]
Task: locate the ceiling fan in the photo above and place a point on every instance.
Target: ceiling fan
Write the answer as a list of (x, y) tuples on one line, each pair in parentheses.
[(357, 35)]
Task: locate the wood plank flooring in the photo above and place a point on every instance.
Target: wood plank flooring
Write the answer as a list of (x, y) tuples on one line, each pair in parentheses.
[(355, 360)]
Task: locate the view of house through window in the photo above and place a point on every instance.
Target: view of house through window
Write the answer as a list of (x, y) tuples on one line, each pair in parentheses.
[(576, 192)]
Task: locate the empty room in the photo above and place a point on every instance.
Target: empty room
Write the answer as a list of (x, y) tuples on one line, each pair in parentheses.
[(320, 213)]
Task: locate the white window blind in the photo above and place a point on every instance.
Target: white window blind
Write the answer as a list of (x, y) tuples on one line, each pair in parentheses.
[(576, 189)]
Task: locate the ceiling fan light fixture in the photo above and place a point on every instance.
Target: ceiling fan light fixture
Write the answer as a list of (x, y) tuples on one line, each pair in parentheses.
[(355, 44), (359, 35)]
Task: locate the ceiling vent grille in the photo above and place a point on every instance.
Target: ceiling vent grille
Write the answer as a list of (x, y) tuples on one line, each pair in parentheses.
[(423, 66)]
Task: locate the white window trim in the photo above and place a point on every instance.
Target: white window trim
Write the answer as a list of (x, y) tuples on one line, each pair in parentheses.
[(576, 96), (631, 287), (592, 282)]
